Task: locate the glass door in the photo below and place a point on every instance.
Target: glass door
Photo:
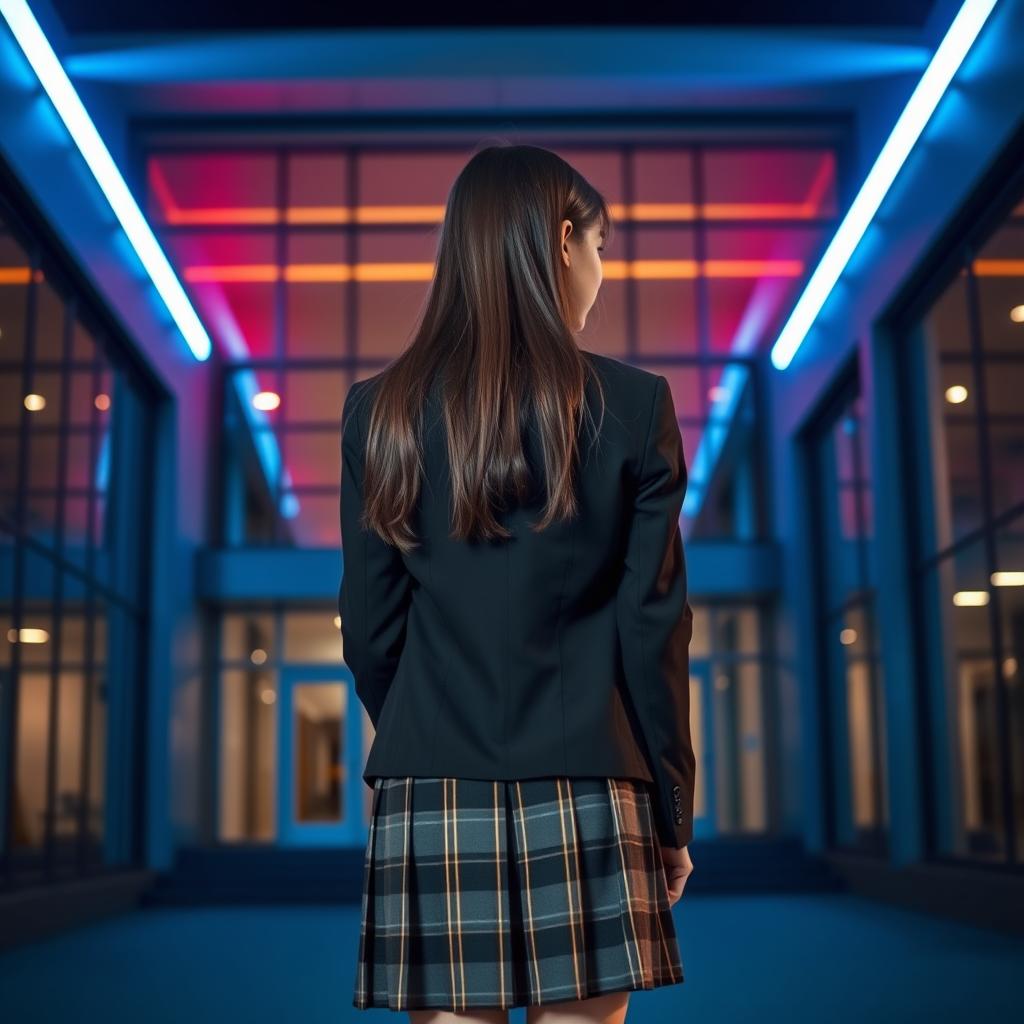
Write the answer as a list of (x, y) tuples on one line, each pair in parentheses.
[(319, 793)]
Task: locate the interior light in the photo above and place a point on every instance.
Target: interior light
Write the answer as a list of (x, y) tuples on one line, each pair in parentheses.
[(266, 400), (970, 598), (956, 394), (35, 403), (258, 656), (27, 635), (945, 62), (1008, 579), (102, 402), (848, 636), (68, 104), (1017, 314)]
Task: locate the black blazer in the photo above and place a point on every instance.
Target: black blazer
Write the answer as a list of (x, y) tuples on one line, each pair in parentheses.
[(559, 653)]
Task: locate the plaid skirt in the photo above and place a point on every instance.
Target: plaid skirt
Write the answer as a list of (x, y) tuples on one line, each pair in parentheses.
[(480, 893)]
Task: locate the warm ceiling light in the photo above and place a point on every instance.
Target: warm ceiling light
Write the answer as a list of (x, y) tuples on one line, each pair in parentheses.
[(956, 394), (266, 400), (1017, 314), (27, 635), (1008, 579), (34, 402), (258, 656), (848, 636), (102, 402), (268, 696), (970, 598)]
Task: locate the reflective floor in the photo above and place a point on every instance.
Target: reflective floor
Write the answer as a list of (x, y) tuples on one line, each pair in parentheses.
[(834, 958)]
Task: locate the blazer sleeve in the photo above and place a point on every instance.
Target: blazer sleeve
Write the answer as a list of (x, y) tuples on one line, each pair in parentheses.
[(373, 598), (655, 620)]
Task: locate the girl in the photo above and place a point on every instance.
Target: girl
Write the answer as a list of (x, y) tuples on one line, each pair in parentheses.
[(514, 612)]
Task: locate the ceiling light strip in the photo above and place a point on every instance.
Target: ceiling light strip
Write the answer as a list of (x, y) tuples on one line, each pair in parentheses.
[(62, 93), (945, 62)]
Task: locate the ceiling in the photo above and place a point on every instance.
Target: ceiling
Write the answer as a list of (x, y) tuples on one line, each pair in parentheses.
[(108, 16)]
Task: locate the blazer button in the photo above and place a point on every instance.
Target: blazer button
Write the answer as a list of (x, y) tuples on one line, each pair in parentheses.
[(675, 789)]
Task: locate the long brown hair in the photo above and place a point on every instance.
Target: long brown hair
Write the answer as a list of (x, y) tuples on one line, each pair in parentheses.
[(495, 326)]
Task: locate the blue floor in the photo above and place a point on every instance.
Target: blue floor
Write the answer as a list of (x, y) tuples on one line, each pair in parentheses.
[(831, 958)]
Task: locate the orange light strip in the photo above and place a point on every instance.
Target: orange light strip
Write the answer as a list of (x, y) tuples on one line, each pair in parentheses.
[(15, 275), (321, 215), (319, 273), (998, 268), (714, 211), (646, 270), (309, 273), (269, 215)]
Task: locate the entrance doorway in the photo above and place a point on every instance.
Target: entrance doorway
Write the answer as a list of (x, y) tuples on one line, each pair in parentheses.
[(319, 796)]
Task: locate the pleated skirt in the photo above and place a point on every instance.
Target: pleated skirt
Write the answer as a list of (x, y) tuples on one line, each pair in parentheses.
[(498, 894)]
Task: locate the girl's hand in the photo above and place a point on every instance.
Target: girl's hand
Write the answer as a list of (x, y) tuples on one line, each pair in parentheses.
[(678, 867)]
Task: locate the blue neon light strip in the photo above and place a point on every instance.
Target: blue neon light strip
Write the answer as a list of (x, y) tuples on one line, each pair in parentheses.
[(945, 62), (69, 106)]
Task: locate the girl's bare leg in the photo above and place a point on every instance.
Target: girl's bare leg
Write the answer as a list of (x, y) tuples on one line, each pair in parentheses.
[(461, 1017), (609, 1008)]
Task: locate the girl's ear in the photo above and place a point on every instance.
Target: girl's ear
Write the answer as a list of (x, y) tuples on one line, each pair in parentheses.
[(566, 231)]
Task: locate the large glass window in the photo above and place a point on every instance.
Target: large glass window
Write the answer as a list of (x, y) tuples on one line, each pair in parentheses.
[(846, 629), (293, 737), (310, 265), (75, 451), (964, 366), (730, 661)]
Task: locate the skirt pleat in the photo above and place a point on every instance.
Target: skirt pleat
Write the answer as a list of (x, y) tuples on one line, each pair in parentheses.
[(495, 894)]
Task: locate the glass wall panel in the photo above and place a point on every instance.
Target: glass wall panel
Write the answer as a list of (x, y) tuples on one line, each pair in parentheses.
[(311, 265), (299, 676), (248, 755), (317, 771), (282, 668), (964, 359), (1008, 583), (852, 695), (729, 673), (75, 428)]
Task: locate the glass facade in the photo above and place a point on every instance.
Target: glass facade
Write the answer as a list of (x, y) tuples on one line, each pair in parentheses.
[(293, 737), (75, 445), (964, 364), (846, 626), (730, 667), (311, 264)]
